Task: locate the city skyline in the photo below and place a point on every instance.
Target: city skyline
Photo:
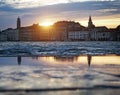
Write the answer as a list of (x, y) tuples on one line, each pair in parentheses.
[(103, 12)]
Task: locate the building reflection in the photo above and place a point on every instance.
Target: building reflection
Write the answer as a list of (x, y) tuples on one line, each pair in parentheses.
[(89, 57), (66, 60), (71, 60), (19, 60)]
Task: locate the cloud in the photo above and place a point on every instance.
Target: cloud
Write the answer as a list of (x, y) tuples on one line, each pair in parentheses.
[(70, 10), (36, 3), (80, 9)]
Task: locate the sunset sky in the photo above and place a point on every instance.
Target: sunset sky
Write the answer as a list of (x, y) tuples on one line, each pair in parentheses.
[(103, 12)]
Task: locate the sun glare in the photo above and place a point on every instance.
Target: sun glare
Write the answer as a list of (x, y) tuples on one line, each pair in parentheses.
[(46, 24)]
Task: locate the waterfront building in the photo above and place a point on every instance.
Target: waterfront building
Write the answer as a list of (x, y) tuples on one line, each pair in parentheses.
[(78, 35), (3, 36), (29, 33), (100, 33), (118, 33), (66, 30), (25, 34), (113, 34), (60, 31), (10, 34)]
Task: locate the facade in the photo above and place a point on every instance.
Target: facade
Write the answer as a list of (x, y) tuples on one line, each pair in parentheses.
[(30, 33), (46, 33), (100, 34), (10, 35), (78, 36), (118, 36), (25, 34), (67, 30), (118, 33), (113, 34), (3, 36), (59, 34)]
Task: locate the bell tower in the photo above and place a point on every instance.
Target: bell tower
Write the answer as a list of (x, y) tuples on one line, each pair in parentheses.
[(90, 23), (18, 23)]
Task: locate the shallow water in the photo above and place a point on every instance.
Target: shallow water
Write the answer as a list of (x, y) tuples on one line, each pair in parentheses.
[(61, 60), (78, 74)]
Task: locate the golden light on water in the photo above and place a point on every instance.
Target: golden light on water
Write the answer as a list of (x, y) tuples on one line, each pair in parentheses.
[(58, 60), (98, 60), (106, 60)]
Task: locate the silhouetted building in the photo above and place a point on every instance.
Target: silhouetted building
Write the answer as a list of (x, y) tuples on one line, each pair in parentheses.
[(67, 30), (29, 33), (10, 34), (78, 35), (100, 34), (113, 34), (118, 33), (47, 33), (3, 36), (60, 31)]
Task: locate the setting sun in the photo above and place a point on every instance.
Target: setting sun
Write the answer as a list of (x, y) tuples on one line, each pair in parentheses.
[(46, 24)]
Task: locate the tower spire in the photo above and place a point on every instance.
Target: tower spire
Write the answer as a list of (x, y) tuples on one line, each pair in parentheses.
[(90, 20), (90, 23)]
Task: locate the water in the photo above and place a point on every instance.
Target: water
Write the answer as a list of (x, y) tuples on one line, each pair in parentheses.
[(61, 74), (58, 48), (69, 68)]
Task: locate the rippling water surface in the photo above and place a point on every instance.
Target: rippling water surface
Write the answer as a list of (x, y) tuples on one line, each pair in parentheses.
[(58, 48)]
